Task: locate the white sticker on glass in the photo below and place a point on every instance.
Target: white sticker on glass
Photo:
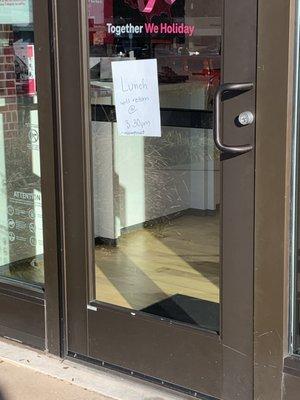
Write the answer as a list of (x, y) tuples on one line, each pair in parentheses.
[(16, 12)]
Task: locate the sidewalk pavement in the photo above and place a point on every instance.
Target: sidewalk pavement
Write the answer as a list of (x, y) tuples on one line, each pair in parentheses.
[(21, 383), (27, 374)]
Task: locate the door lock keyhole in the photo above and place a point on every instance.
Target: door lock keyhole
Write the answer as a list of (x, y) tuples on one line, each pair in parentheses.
[(246, 118)]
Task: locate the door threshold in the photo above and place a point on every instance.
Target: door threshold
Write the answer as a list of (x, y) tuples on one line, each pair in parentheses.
[(124, 373), (108, 383)]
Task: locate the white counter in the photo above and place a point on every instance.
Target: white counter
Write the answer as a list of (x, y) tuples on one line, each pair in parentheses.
[(137, 179)]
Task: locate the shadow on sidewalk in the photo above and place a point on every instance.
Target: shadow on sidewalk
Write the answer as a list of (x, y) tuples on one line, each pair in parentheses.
[(2, 396)]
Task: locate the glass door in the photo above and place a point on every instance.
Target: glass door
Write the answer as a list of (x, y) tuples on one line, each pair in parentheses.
[(160, 189)]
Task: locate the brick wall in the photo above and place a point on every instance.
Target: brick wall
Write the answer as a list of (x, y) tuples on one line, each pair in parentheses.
[(8, 94)]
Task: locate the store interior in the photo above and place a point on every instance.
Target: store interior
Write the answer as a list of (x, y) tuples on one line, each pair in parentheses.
[(21, 221), (157, 199)]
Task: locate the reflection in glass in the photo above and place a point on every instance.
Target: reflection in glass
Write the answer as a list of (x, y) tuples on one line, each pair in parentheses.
[(21, 227), (157, 200)]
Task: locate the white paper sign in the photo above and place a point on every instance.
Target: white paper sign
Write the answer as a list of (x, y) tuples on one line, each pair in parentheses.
[(16, 12), (137, 97)]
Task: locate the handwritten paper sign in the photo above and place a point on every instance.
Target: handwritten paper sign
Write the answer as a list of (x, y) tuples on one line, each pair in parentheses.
[(137, 97), (16, 12)]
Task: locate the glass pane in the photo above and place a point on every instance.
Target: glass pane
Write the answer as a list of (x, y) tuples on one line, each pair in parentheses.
[(157, 199), (21, 225)]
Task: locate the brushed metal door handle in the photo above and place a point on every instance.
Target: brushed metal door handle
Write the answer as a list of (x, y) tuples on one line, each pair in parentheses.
[(228, 87)]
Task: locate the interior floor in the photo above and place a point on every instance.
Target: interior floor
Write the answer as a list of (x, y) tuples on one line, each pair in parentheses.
[(28, 270), (170, 269), (176, 257)]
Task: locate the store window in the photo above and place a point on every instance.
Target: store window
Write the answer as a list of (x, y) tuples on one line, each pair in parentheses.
[(21, 226), (156, 188)]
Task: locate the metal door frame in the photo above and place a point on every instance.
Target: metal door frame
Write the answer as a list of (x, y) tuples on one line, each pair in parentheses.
[(276, 369), (231, 376)]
